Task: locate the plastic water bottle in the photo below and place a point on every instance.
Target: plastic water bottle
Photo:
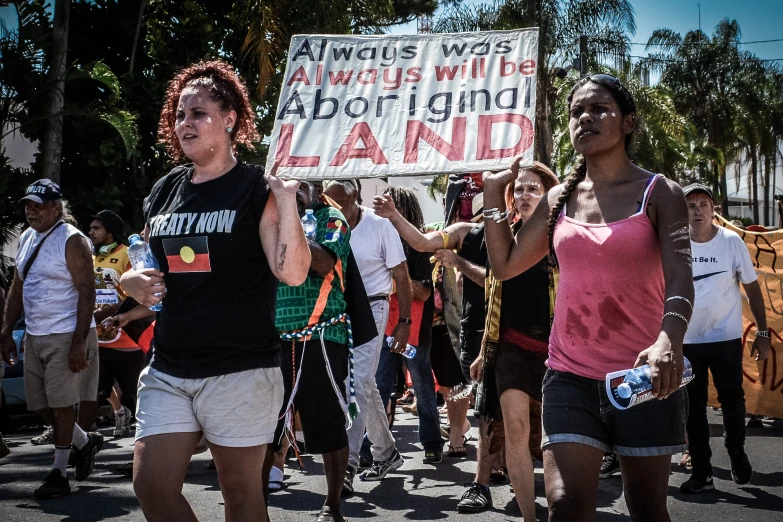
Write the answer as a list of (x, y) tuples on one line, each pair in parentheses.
[(309, 224), (141, 257), (409, 352), (639, 380)]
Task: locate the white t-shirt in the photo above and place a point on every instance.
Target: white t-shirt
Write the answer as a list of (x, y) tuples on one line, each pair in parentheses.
[(719, 266), (49, 297), (377, 248)]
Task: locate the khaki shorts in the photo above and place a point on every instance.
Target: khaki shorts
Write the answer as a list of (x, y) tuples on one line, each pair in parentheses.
[(49, 381), (236, 410)]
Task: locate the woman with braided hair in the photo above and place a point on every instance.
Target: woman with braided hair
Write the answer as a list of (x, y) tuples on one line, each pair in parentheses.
[(619, 236)]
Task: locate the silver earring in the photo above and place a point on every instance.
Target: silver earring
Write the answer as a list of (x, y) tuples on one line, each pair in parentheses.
[(229, 129)]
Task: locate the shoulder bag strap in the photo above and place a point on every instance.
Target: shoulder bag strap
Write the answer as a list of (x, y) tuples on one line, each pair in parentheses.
[(37, 249)]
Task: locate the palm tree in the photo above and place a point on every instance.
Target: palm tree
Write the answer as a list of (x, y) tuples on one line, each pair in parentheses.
[(703, 74)]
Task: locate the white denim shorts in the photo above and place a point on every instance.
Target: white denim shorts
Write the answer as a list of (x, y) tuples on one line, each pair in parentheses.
[(235, 410)]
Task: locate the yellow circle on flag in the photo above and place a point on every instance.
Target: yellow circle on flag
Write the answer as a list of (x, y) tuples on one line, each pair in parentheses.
[(338, 223), (187, 254)]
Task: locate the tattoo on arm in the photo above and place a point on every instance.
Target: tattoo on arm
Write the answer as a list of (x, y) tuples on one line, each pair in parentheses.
[(283, 248)]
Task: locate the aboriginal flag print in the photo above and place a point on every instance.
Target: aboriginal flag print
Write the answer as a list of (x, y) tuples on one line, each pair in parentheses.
[(335, 230), (187, 254)]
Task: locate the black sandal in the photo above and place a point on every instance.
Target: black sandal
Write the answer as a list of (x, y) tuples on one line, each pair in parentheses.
[(458, 452)]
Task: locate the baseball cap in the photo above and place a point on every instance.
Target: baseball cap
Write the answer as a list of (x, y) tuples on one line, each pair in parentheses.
[(697, 188), (42, 191), (113, 223)]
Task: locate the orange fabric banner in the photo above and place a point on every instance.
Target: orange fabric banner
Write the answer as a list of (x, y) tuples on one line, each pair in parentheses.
[(763, 381)]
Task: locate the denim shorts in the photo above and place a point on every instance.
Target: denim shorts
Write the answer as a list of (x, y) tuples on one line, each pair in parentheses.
[(577, 409)]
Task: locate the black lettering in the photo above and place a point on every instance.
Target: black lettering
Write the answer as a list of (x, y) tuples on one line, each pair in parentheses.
[(445, 111), (317, 109), (473, 95), (352, 114), (502, 47), (379, 106), (286, 110), (513, 104), (408, 52), (454, 48), (304, 50)]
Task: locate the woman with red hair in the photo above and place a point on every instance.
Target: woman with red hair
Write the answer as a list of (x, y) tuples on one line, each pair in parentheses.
[(224, 234)]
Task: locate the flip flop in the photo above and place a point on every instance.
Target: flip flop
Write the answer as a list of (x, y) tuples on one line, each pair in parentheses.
[(458, 452)]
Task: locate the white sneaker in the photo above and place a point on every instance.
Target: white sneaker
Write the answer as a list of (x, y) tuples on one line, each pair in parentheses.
[(122, 423)]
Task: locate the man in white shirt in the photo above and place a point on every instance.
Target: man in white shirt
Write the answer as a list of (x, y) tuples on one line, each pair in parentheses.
[(713, 342), (55, 287), (381, 260)]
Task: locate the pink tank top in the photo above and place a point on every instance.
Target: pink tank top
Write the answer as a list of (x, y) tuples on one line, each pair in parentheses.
[(609, 303)]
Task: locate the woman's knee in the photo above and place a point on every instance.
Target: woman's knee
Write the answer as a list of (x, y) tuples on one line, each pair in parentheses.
[(566, 506), (238, 489)]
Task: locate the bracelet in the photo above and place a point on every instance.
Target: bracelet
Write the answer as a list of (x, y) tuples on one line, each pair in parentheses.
[(762, 333), (679, 316), (497, 216), (489, 211), (405, 320), (681, 298)]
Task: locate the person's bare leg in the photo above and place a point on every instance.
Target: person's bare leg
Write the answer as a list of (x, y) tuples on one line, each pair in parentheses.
[(88, 413), (335, 465), (484, 461), (571, 478), (646, 485), (159, 466), (516, 419), (269, 460), (62, 420), (114, 399), (457, 412), (240, 475)]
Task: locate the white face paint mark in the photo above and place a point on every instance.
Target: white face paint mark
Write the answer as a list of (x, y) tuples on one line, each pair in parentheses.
[(209, 120), (603, 115), (614, 115)]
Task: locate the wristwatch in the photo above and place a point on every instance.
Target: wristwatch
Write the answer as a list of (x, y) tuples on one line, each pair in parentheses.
[(405, 320), (762, 333)]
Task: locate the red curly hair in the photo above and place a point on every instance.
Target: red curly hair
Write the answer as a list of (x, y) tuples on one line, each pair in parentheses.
[(224, 87)]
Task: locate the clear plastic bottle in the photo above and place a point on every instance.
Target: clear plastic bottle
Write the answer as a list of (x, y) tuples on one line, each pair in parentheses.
[(639, 380), (141, 257), (410, 351), (309, 224)]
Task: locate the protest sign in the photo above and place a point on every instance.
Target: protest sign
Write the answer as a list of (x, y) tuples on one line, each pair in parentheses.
[(374, 106), (762, 381)]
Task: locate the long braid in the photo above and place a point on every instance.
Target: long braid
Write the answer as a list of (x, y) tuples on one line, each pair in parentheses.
[(574, 178)]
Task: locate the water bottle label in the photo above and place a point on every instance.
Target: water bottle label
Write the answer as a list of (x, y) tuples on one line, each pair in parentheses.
[(613, 381)]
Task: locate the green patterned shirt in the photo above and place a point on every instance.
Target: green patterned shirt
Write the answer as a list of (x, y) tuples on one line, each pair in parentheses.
[(319, 298)]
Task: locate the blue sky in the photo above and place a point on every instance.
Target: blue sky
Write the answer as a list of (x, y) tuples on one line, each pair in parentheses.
[(758, 19)]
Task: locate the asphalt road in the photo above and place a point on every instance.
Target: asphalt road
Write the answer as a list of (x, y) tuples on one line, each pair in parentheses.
[(415, 492)]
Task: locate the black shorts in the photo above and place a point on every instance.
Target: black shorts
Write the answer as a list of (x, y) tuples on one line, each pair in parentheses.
[(577, 409), (125, 367), (469, 349), (322, 417), (445, 364), (519, 369)]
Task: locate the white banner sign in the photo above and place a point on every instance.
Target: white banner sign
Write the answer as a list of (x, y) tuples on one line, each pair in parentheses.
[(373, 106)]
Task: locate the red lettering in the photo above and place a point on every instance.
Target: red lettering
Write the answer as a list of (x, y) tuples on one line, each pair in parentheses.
[(342, 77), (299, 76), (504, 65), (413, 75), (283, 153), (484, 148), (348, 150), (454, 151), (367, 81), (445, 72), (527, 67)]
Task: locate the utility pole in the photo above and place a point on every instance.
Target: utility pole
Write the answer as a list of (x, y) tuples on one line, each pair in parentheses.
[(583, 54), (531, 13)]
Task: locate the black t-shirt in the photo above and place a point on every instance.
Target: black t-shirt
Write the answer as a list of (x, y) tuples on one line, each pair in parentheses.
[(218, 316), (420, 269), (525, 303), (474, 249)]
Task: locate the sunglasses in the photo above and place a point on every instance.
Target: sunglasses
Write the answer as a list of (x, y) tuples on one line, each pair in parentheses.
[(609, 81)]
